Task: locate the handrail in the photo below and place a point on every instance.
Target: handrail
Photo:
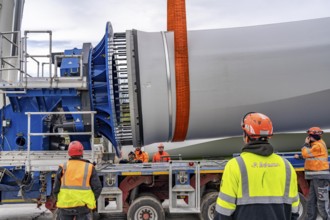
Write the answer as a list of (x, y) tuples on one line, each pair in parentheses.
[(29, 114), (10, 52), (36, 56), (23, 80)]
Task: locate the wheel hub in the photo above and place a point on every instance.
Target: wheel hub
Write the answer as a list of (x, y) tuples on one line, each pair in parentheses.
[(146, 215)]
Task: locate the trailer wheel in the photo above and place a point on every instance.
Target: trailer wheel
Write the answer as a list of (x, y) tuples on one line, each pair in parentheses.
[(208, 206), (152, 195), (146, 208), (147, 194), (302, 207)]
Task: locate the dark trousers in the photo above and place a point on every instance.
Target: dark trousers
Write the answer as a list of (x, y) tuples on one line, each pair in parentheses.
[(74, 214), (318, 199)]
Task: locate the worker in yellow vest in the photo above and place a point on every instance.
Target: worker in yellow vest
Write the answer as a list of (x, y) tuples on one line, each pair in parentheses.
[(77, 186), (258, 184)]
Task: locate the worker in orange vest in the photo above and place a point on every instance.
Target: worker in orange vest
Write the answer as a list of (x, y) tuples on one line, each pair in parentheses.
[(315, 153), (141, 155), (77, 186), (131, 159), (161, 155)]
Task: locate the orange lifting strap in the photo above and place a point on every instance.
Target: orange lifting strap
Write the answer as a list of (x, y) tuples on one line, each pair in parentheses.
[(176, 21)]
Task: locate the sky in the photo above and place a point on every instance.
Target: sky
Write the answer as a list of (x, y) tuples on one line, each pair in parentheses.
[(76, 21)]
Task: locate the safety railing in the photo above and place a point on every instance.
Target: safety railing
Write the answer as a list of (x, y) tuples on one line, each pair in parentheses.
[(21, 70), (90, 133), (35, 57), (10, 56)]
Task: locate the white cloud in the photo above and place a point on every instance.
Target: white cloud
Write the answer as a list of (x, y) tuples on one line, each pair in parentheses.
[(79, 21), (234, 13)]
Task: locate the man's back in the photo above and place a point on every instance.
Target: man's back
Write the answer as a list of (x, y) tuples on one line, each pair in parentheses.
[(263, 187), (258, 184), (261, 173), (71, 176)]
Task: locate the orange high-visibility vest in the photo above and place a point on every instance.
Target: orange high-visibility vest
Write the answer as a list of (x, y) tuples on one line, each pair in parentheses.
[(75, 185), (141, 155), (164, 157), (316, 156)]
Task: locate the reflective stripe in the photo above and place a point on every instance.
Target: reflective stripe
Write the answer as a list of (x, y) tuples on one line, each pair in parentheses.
[(244, 175), (295, 204), (309, 152), (309, 172), (296, 198), (85, 175), (224, 211), (76, 187), (320, 159), (227, 198), (265, 200), (246, 199), (287, 178), (295, 209), (64, 169)]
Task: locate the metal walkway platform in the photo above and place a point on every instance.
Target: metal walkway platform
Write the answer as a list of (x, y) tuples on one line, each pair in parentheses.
[(41, 160)]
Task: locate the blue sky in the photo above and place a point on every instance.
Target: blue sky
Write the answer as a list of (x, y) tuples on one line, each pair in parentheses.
[(76, 21)]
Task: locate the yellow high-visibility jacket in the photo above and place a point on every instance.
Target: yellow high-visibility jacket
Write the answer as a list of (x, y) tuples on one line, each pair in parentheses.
[(75, 188), (254, 185)]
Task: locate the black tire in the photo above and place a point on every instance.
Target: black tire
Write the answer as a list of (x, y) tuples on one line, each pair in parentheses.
[(146, 205), (209, 191), (147, 194), (302, 207), (208, 206), (152, 195)]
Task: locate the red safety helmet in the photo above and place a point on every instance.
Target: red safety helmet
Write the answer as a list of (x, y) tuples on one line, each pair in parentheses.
[(257, 125), (315, 131), (75, 149)]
